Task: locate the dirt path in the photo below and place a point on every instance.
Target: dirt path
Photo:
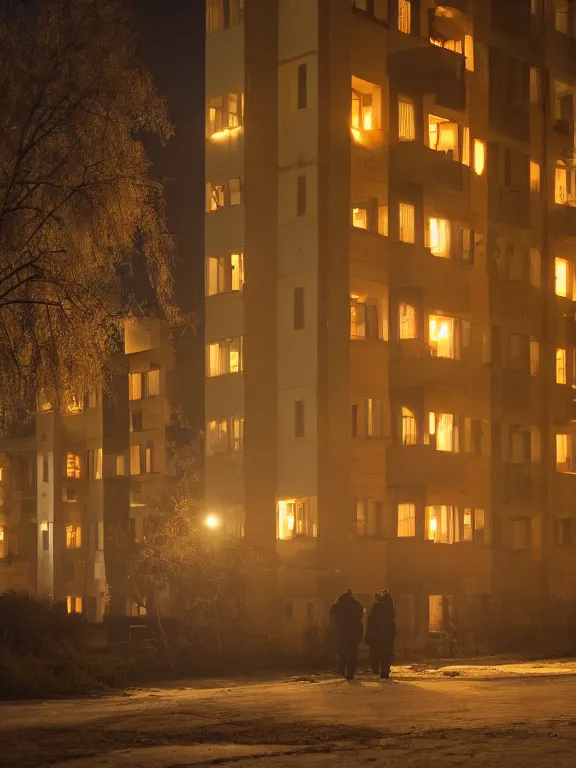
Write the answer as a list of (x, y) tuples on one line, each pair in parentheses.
[(515, 719)]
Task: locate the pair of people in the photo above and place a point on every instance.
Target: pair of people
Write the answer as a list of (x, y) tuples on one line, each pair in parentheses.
[(346, 614)]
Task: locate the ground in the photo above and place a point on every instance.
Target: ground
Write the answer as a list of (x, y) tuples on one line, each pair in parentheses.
[(479, 715)]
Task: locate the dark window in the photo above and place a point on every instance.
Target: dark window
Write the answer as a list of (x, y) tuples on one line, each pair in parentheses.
[(354, 422), (301, 196), (299, 418), (45, 540), (45, 470), (137, 421), (298, 308), (289, 609), (564, 532), (302, 87)]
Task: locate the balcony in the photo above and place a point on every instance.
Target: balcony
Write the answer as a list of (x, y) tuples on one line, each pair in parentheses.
[(444, 282), (427, 371), (424, 465), (511, 207), (429, 69), (414, 163), (564, 222), (563, 405)]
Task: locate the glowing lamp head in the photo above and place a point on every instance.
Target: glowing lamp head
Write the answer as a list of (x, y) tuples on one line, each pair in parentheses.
[(212, 522)]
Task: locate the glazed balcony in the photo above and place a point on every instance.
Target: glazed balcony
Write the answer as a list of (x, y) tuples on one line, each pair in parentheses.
[(564, 222), (426, 371), (429, 69)]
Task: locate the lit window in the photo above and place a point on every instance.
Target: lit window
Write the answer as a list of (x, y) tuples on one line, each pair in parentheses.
[(565, 185), (534, 176), (441, 336), (440, 524), (405, 16), (373, 418), (364, 318), (217, 437), (534, 356), (366, 107), (297, 517), (535, 268), (237, 444), (439, 237), (232, 110), (215, 115), (224, 273), (442, 425), (73, 536), (134, 386), (73, 465), (134, 459), (561, 273), (149, 457), (406, 223), (151, 381), (407, 321), (383, 220), (406, 120), (561, 366), (73, 604), (479, 157), (120, 465), (563, 453), (95, 464), (443, 136), (360, 218), (225, 357), (409, 427), (406, 520), (3, 542), (367, 517), (466, 145), (469, 52), (222, 14), (235, 191), (214, 197)]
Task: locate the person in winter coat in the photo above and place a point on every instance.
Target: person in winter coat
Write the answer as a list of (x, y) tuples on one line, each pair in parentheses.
[(346, 616), (380, 633)]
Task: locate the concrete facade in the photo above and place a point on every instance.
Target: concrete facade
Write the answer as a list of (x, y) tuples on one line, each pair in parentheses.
[(390, 236)]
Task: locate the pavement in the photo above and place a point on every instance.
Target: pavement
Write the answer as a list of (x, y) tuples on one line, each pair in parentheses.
[(483, 713)]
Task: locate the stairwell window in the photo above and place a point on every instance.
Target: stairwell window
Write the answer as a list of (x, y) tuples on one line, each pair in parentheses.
[(534, 177), (406, 214), (302, 99), (534, 356), (364, 318), (438, 237), (406, 119), (407, 319), (73, 536), (405, 16), (440, 524), (561, 377), (225, 357), (406, 521), (409, 427)]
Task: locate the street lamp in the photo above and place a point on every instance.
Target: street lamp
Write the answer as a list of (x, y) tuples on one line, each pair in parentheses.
[(212, 522)]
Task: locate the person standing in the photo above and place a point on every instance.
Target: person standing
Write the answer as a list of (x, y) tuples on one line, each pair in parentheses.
[(346, 615), (381, 633)]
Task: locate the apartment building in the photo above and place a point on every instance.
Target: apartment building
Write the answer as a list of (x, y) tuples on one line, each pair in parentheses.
[(390, 242)]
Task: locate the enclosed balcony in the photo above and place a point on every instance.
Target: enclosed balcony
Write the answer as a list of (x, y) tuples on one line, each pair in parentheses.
[(430, 69)]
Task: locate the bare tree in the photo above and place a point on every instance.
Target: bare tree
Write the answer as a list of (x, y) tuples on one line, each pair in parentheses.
[(76, 198)]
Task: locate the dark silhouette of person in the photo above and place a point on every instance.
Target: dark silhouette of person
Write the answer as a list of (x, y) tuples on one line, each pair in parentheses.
[(346, 615), (381, 633)]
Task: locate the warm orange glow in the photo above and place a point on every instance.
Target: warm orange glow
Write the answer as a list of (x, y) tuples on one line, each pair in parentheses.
[(212, 522), (561, 366), (441, 335), (479, 157), (561, 277), (360, 218), (439, 237), (226, 133)]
